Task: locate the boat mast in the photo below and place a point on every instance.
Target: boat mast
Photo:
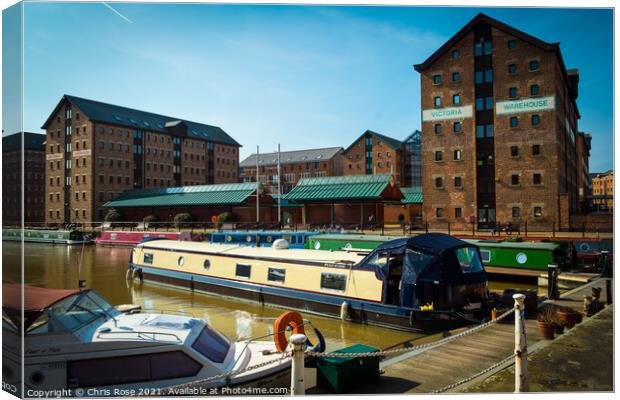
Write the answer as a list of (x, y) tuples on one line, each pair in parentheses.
[(279, 188), (257, 214)]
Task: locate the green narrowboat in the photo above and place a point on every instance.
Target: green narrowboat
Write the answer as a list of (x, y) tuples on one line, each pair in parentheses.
[(535, 256), (45, 236), (347, 242)]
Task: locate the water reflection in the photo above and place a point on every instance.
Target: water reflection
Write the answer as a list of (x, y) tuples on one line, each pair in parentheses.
[(104, 270)]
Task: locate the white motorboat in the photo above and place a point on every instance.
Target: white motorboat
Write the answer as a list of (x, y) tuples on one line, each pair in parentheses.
[(74, 339)]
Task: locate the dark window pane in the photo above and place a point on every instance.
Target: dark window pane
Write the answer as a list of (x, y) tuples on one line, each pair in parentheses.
[(438, 182), (536, 119), (276, 274), (479, 77), (515, 179), (458, 212), (512, 92), (455, 54), (537, 179), (514, 151), (478, 49), (333, 281), (437, 128), (512, 69), (534, 90), (535, 149), (243, 270), (516, 212), (514, 122), (212, 344), (436, 79), (439, 212), (456, 127), (512, 44), (533, 65), (456, 77)]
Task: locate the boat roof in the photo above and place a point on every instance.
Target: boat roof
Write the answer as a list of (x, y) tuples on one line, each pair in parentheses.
[(163, 328), (435, 243), (357, 238), (36, 299), (548, 246), (225, 249)]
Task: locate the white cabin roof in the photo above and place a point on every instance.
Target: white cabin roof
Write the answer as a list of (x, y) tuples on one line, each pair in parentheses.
[(162, 328), (292, 255)]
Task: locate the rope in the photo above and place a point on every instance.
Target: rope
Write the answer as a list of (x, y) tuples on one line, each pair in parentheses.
[(484, 371), (408, 349)]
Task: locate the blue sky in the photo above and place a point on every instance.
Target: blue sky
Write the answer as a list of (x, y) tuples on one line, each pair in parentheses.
[(304, 76)]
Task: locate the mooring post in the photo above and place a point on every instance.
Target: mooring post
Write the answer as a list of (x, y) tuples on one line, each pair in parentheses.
[(552, 284), (521, 379), (298, 343), (608, 291)]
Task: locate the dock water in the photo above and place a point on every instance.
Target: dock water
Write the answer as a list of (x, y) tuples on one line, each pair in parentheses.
[(439, 367)]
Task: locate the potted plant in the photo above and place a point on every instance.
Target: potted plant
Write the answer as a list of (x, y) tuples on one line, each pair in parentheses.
[(545, 319), (567, 317)]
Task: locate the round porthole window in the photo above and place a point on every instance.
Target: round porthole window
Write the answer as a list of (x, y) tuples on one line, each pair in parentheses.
[(206, 264), (584, 247), (317, 245), (229, 238), (269, 239), (521, 258), (248, 238), (181, 261)]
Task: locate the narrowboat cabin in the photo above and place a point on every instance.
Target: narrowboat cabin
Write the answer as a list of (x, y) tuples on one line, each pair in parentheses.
[(127, 238), (501, 256), (296, 240), (46, 236), (347, 242), (429, 282)]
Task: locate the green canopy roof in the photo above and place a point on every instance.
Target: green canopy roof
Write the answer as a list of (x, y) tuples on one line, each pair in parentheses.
[(413, 195), (222, 194), (354, 187)]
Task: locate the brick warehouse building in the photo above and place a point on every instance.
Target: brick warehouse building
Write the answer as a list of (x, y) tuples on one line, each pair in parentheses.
[(95, 151), (373, 153), (32, 156), (294, 165), (499, 126)]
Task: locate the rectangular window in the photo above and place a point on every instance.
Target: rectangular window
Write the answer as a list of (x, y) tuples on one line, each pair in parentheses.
[(333, 281), (436, 79), (512, 69), (458, 212), (512, 44), (478, 49), (437, 129), (456, 77), (534, 65), (437, 101), (537, 179), (458, 182), (535, 149), (534, 90), (457, 155), (276, 275), (488, 48), (538, 212), (514, 151), (456, 127), (485, 255), (535, 119), (148, 258), (455, 54), (516, 212), (514, 122), (514, 179), (512, 92), (456, 99), (243, 270), (439, 212), (438, 156), (439, 182)]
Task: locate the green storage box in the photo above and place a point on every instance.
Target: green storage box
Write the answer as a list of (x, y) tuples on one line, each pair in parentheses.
[(341, 374)]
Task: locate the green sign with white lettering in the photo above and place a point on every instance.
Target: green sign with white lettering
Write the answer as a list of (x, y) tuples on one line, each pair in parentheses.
[(441, 114), (525, 105)]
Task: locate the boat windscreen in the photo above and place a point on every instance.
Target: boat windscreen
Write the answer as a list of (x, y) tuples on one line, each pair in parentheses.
[(72, 313), (414, 263), (469, 259), (212, 344)]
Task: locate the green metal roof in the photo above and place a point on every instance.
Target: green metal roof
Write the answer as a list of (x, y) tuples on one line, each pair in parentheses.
[(222, 194), (353, 187), (413, 195)]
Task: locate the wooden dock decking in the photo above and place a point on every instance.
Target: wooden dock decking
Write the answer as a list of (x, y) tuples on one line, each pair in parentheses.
[(438, 367)]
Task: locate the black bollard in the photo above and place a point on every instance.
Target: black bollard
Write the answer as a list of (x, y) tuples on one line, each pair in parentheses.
[(608, 291), (552, 278)]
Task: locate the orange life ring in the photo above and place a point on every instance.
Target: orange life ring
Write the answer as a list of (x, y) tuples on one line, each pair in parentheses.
[(282, 322)]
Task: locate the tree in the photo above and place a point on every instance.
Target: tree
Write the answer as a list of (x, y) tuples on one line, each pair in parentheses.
[(182, 220)]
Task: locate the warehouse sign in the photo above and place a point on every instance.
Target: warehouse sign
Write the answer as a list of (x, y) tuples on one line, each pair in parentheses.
[(54, 156), (441, 114), (81, 153), (525, 105)]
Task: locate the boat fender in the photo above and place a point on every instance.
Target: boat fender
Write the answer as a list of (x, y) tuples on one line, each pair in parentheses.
[(137, 273), (280, 325), (280, 244), (128, 274), (320, 346), (344, 311)]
